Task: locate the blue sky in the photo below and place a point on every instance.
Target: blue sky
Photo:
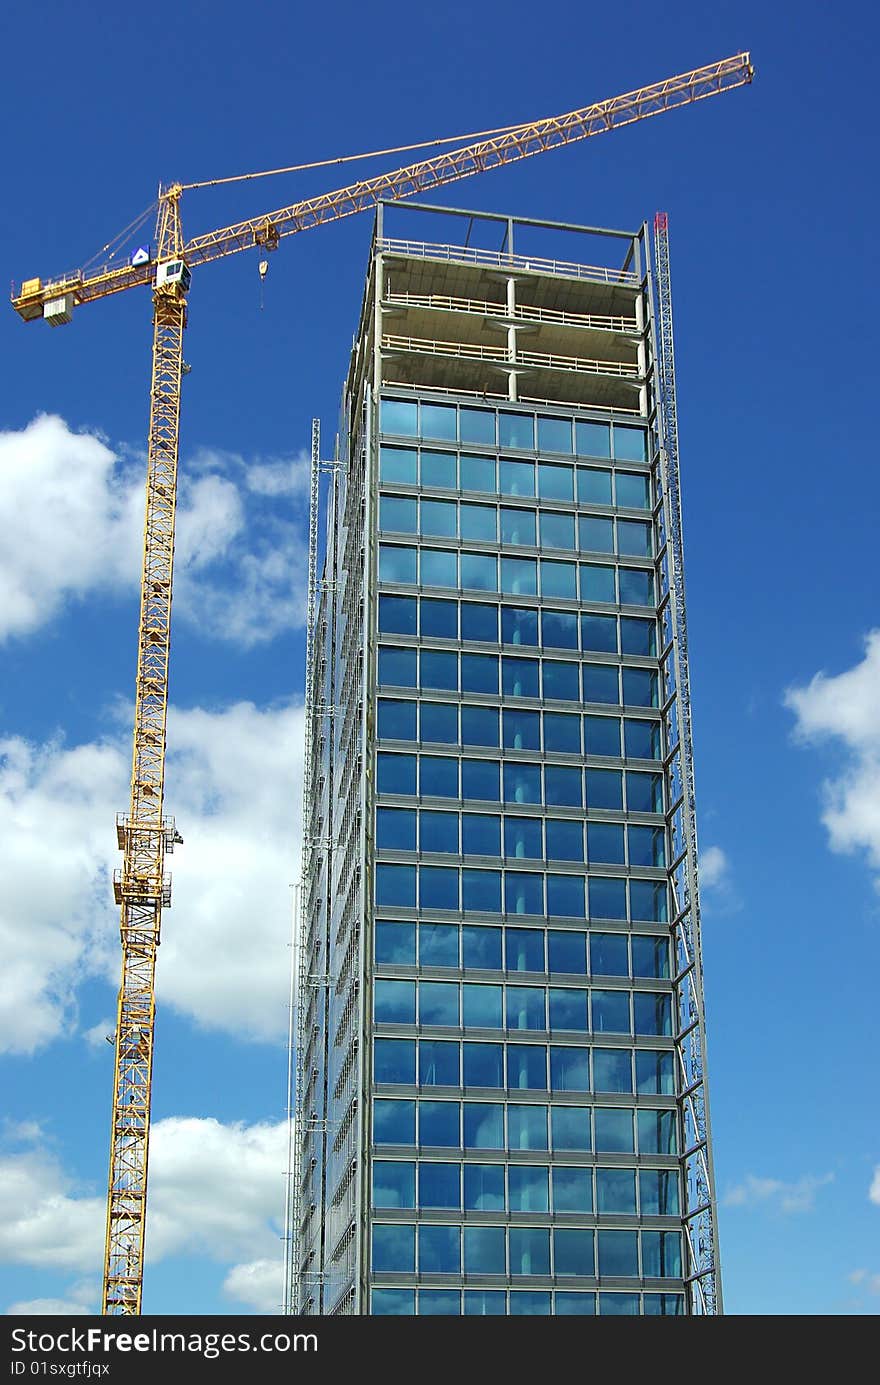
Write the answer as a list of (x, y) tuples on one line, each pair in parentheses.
[(772, 212)]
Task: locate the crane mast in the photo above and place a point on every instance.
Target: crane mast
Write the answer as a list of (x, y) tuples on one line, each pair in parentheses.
[(145, 835)]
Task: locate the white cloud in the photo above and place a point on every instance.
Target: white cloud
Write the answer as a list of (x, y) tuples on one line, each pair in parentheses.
[(47, 1308), (843, 708), (863, 1278), (233, 781), (874, 1190), (799, 1196), (71, 513), (714, 868), (259, 1283)]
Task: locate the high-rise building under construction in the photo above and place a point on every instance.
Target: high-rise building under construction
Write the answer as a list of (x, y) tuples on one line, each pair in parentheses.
[(500, 1090)]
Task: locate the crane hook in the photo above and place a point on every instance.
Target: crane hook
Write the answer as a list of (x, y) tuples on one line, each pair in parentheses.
[(263, 268)]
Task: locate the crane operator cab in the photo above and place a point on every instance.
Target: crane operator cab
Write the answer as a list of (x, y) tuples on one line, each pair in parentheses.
[(173, 272)]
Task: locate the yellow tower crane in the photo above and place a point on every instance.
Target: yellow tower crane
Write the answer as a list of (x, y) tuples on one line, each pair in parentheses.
[(145, 835)]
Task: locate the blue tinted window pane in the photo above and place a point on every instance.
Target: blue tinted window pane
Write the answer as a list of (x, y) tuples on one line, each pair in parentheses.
[(438, 944), (559, 629), (396, 886), (593, 486), (439, 1185), (523, 894), (522, 730), (396, 942), (519, 576), (438, 776), (614, 1130), (477, 425), (565, 896), (480, 780), (516, 430), (517, 525), (596, 535), (640, 687), (611, 1012), (484, 1250), (526, 1007), (655, 1073), (439, 1124), (439, 723), (616, 1191), (638, 636), (478, 522), (561, 681), (554, 435), (646, 846), (567, 952), (573, 1251), (619, 1305), (531, 1303), (394, 1122), (562, 733), (527, 1127), (479, 621), (557, 531), (479, 673), (607, 898), (396, 719), (570, 1127), (612, 1070), (478, 473), (527, 1067), (396, 829), (652, 1014), (439, 669), (644, 792), (565, 840), (593, 439), (479, 725), (483, 1125), (657, 1132), (569, 1067), (439, 519), (658, 1192), (608, 954), (482, 1008), (398, 464), (642, 740), (483, 1063), (568, 1010), (484, 1191), (438, 421), (648, 901), (394, 1183), (605, 842), (618, 1253), (397, 667), (439, 568), (481, 947), (522, 783), (481, 891), (519, 625), (438, 1002), (629, 443), (661, 1254), (439, 1251), (397, 564), (600, 683), (604, 788), (634, 538), (438, 468), (437, 1303), (394, 1248), (599, 634), (560, 579), (563, 786), (636, 587), (572, 1190), (575, 1305), (438, 1064), (525, 946), (397, 515), (480, 834), (555, 482), (519, 677), (438, 887), (650, 956), (597, 583), (633, 490), (522, 838), (394, 1060), (439, 619), (601, 735), (664, 1305), (478, 572), (529, 1251), (515, 478), (399, 416)]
